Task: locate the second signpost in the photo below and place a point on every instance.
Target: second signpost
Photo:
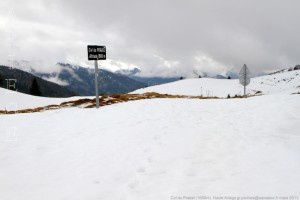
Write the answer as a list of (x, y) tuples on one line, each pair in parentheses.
[(96, 53)]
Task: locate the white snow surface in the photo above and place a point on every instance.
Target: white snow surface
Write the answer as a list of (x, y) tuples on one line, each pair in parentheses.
[(154, 149), (12, 100), (277, 83)]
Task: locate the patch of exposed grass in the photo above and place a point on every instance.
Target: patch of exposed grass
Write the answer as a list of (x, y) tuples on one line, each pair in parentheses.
[(109, 100)]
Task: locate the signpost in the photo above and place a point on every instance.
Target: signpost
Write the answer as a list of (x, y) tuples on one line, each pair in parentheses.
[(11, 84), (244, 77), (96, 53)]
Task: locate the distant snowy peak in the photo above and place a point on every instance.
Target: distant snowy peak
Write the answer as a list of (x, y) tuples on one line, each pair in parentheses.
[(225, 75), (129, 72), (67, 66), (24, 65)]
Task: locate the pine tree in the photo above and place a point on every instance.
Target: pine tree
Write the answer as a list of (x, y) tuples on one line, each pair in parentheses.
[(35, 89), (1, 81)]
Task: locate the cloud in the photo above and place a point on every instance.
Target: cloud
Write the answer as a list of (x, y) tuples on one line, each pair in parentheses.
[(161, 37)]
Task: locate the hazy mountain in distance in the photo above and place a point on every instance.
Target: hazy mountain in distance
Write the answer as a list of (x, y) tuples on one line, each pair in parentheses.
[(129, 72), (135, 74), (150, 81), (232, 75)]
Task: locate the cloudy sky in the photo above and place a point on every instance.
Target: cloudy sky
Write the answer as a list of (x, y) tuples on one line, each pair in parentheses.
[(162, 37)]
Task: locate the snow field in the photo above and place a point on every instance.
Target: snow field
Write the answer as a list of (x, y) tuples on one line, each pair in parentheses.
[(153, 149)]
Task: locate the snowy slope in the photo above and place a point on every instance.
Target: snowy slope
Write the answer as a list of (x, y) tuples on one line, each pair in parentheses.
[(153, 149), (11, 100), (286, 82)]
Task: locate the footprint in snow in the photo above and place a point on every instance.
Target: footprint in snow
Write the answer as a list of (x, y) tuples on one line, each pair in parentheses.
[(133, 184), (156, 137), (149, 160), (141, 170), (191, 173)]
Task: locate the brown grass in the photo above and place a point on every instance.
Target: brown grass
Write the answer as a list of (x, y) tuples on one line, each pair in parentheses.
[(109, 100)]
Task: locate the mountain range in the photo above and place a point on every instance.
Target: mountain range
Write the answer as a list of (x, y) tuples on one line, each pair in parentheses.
[(69, 80), (81, 80)]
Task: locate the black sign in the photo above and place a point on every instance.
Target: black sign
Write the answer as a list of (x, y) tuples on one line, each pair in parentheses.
[(96, 52)]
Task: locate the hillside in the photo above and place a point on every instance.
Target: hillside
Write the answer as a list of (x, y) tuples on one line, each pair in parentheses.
[(285, 82), (158, 148), (24, 82)]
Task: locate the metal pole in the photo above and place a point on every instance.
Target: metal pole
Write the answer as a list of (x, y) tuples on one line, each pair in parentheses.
[(245, 80), (96, 84)]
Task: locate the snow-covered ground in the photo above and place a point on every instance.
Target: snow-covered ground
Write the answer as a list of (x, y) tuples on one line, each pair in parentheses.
[(286, 82), (154, 149), (11, 100)]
